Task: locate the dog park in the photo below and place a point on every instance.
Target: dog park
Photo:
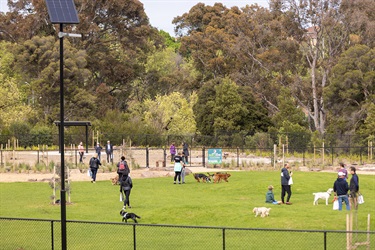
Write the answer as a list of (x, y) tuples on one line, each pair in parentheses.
[(195, 215)]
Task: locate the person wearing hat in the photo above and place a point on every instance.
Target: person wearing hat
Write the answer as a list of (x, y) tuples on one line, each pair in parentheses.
[(341, 188), (270, 198)]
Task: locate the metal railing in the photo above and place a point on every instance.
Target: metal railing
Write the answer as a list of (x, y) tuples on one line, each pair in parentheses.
[(18, 233)]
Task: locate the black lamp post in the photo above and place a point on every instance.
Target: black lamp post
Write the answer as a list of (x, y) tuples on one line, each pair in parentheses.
[(62, 12)]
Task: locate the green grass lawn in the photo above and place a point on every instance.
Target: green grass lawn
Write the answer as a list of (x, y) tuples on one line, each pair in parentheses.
[(230, 204)]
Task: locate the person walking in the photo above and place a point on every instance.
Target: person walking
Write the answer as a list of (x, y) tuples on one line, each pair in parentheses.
[(126, 185), (94, 166), (81, 151), (122, 168), (172, 150), (354, 188), (178, 164), (185, 150), (109, 152), (98, 150), (341, 188), (285, 185)]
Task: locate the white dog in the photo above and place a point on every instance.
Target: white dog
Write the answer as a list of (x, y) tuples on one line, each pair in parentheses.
[(263, 211), (322, 195)]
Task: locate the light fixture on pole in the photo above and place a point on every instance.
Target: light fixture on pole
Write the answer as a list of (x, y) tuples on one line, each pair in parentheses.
[(62, 12)]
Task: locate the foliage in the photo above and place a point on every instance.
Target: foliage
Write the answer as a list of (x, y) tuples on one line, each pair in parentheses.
[(41, 135), (170, 114), (238, 61), (288, 110), (227, 107), (352, 88), (259, 140)]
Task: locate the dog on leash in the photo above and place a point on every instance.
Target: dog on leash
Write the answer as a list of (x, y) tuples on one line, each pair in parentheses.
[(114, 180), (202, 177), (126, 216), (323, 196), (221, 176), (262, 211)]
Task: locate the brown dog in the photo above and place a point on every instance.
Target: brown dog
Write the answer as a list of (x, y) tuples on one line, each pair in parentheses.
[(221, 176), (114, 180)]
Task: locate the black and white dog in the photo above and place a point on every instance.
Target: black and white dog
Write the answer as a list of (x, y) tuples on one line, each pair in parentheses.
[(125, 216)]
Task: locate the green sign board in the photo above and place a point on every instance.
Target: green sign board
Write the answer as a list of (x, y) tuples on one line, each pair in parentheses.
[(214, 156)]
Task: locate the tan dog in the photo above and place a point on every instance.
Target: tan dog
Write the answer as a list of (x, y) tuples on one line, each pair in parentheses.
[(262, 211), (114, 180), (221, 176)]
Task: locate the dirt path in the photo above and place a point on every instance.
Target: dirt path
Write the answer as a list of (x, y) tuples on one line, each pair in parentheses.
[(76, 175)]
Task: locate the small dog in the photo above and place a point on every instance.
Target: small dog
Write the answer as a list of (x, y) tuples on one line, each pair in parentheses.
[(202, 177), (322, 195), (221, 176), (262, 211), (125, 216), (114, 180)]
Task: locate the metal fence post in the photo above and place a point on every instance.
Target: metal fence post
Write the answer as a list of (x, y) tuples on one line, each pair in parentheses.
[(52, 234), (223, 238), (134, 238), (147, 158), (204, 156), (238, 157), (325, 240), (164, 157)]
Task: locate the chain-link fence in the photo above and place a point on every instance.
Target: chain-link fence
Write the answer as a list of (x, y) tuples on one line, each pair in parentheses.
[(46, 234), (317, 157)]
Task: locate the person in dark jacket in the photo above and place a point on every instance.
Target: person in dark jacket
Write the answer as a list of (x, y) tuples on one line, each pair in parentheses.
[(94, 166), (98, 150), (354, 188), (341, 188), (109, 152), (185, 150), (285, 187), (126, 185)]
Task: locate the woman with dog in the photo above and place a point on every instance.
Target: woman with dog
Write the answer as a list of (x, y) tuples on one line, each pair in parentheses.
[(285, 186), (94, 166), (126, 184), (178, 165)]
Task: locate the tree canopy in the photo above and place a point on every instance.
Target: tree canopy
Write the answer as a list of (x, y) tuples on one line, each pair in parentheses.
[(303, 66)]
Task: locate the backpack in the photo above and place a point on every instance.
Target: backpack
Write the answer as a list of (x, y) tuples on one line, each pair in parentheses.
[(123, 168)]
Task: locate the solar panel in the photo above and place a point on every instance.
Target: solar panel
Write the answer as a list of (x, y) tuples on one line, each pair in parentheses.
[(62, 11)]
